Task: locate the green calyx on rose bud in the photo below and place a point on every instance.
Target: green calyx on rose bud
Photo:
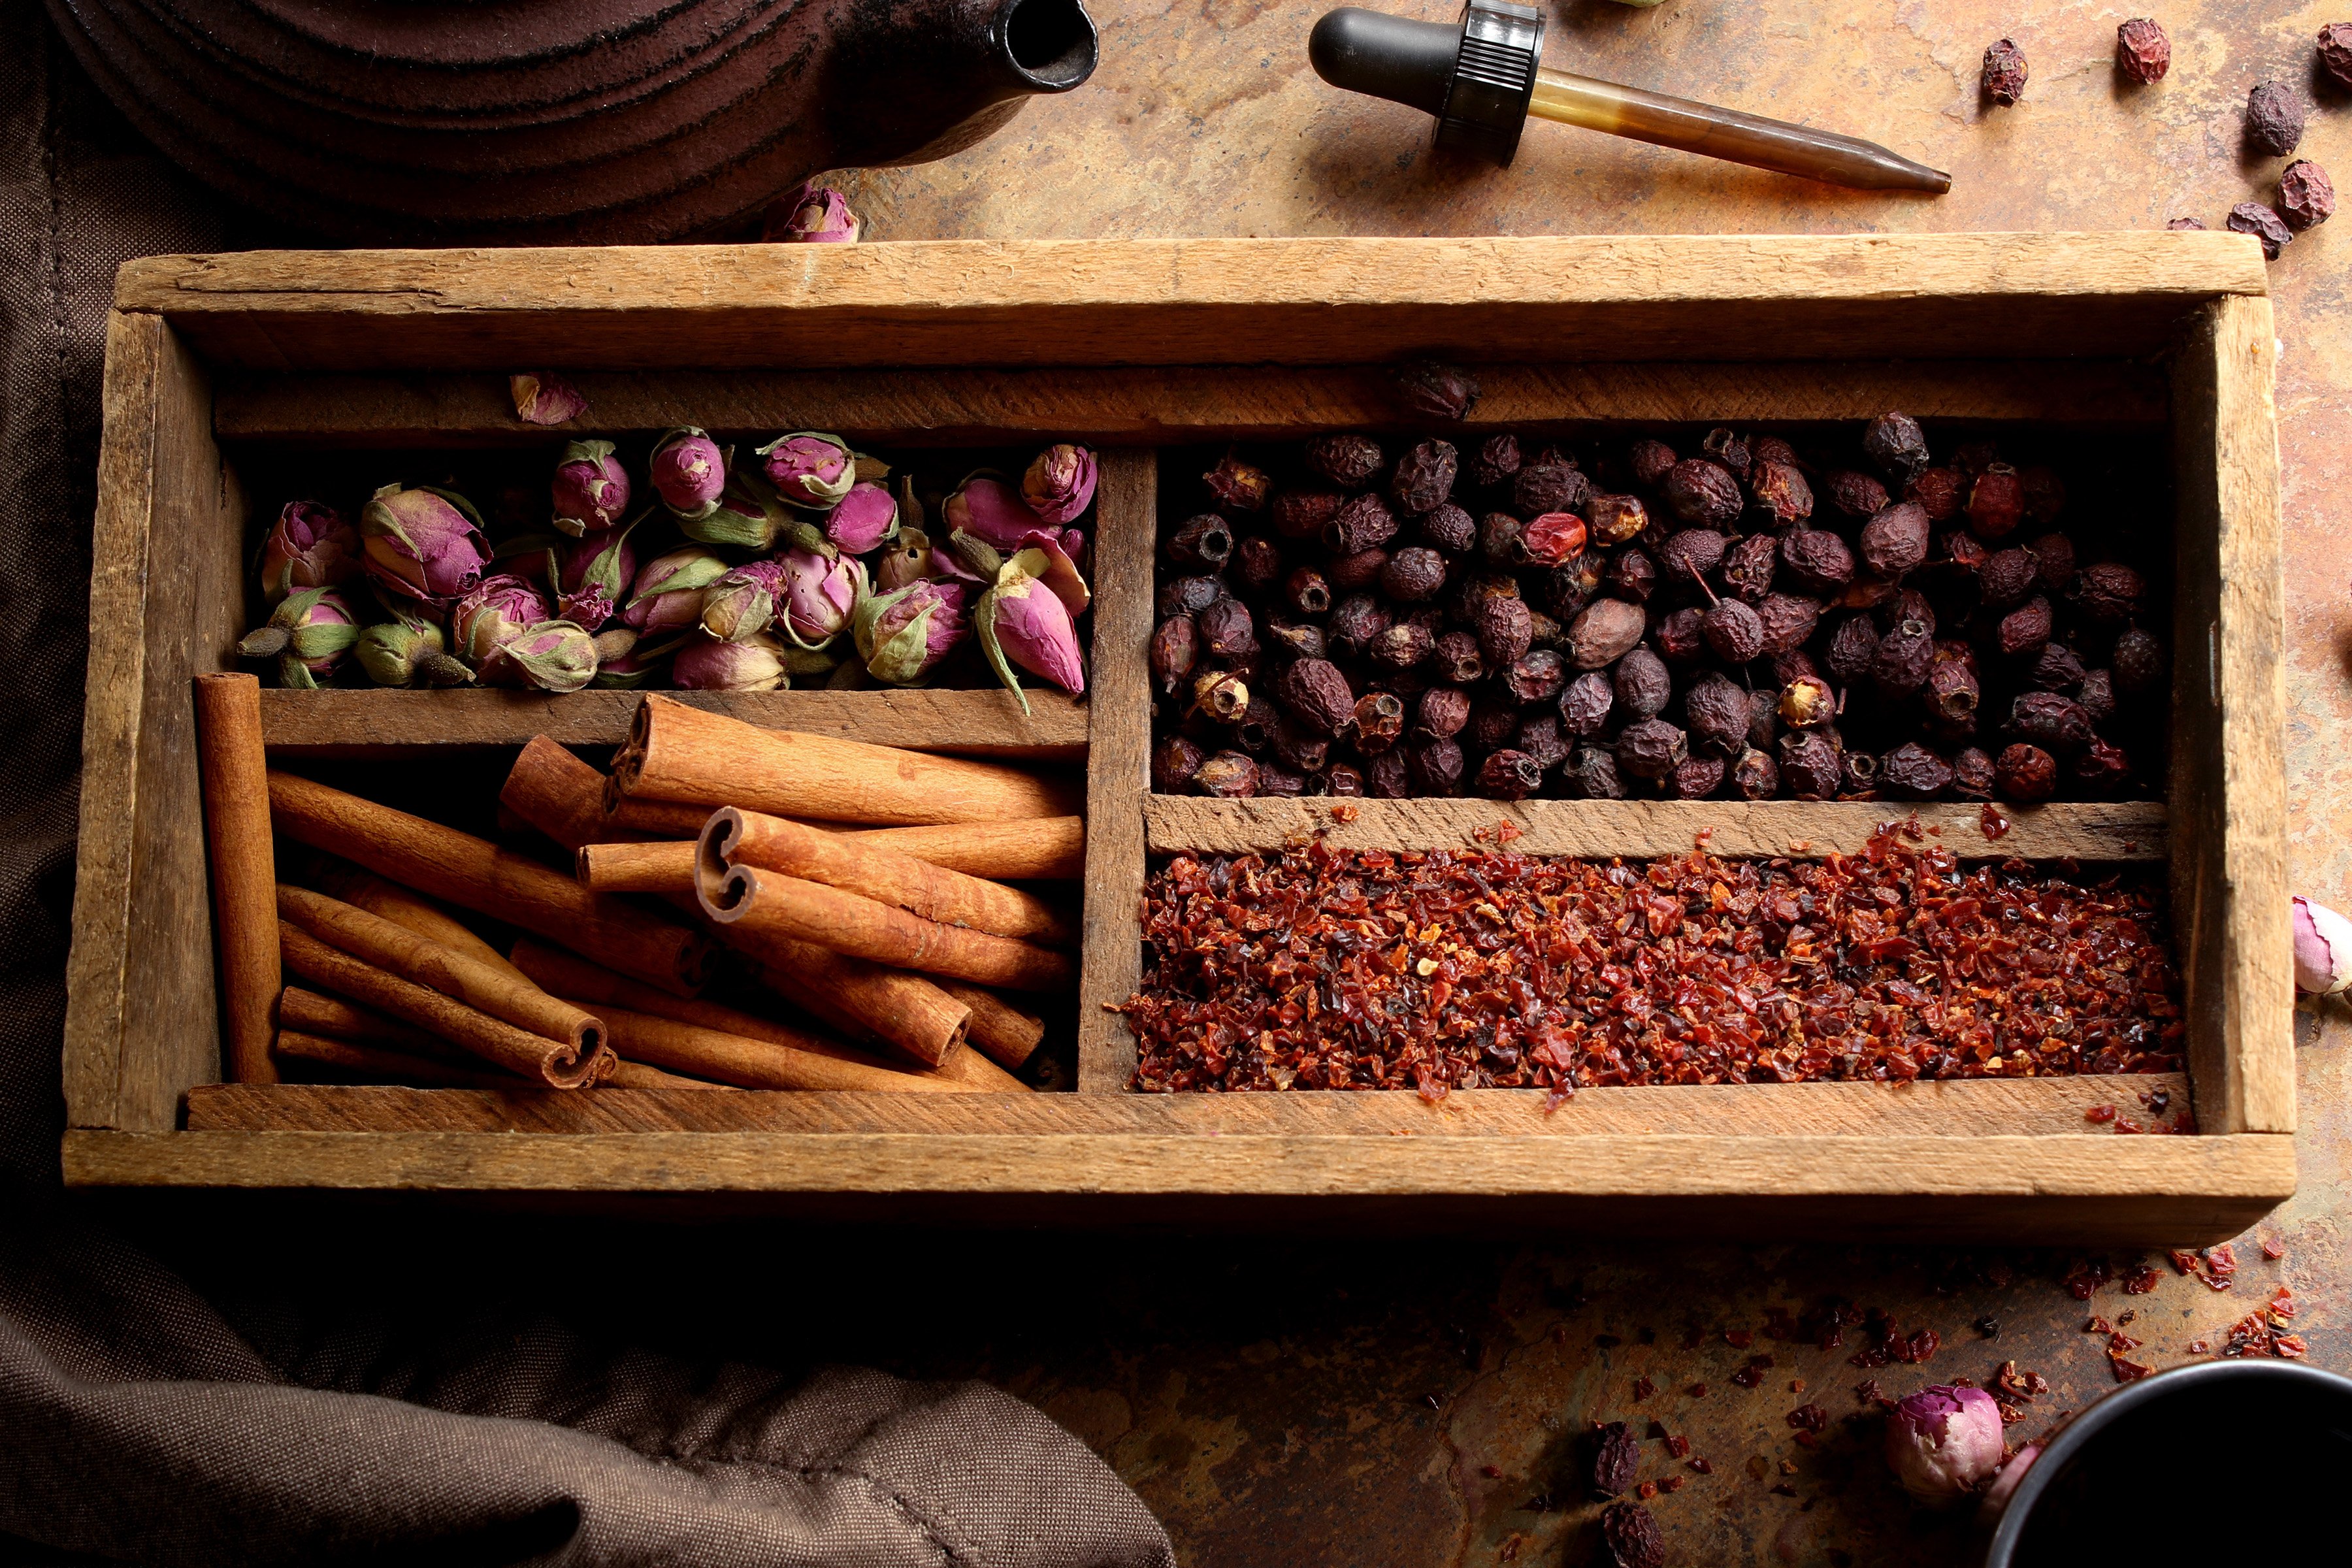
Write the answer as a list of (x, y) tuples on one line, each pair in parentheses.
[(748, 514), (314, 627), (391, 651), (554, 655), (902, 634)]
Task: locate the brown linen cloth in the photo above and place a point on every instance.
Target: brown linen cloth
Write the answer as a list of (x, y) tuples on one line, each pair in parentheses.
[(137, 1423)]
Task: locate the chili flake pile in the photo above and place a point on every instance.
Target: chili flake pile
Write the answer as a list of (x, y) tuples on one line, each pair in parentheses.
[(1366, 969)]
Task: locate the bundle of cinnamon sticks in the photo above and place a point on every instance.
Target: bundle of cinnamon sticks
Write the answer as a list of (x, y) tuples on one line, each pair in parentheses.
[(868, 892)]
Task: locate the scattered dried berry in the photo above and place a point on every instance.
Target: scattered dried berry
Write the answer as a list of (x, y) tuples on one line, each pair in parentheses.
[(2004, 72), (1631, 1537), (1423, 477), (1497, 460), (1616, 1459), (1438, 390), (2253, 217), (2306, 196), (1413, 574), (2142, 52), (1603, 631), (2275, 116), (2336, 51), (1704, 493)]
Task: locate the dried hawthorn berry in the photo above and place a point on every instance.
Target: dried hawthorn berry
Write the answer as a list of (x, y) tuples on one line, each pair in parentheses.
[(1773, 450), (1449, 529), (2142, 52), (1279, 781), (1441, 712), (1506, 629), (1896, 444), (1550, 487), (1852, 646), (1403, 646), (1631, 575), (1690, 553), (1650, 462), (1716, 708), (1810, 766), (1953, 690), (1855, 494), (1175, 649), (1857, 774), (2101, 769), (1641, 686), (2054, 555), (1174, 761), (1203, 543), (1591, 774), (1908, 607), (1455, 658), (1938, 492), (1307, 591), (1221, 694), (1510, 776), (1436, 767), (2138, 664), (1794, 665), (1356, 572), (1748, 566), (1498, 458), (1378, 719), (1493, 722), (1701, 492), (2025, 629), (1613, 520), (1602, 631), (2336, 51), (1541, 738), (1681, 635), (1734, 630), (1474, 588), (1788, 620), (2253, 217), (1296, 746), (1438, 390), (2025, 773), (1190, 595), (1362, 524), (2306, 196), (1780, 494), (1650, 748), (1501, 539), (1424, 478), (1387, 776), (2007, 577), (1228, 775), (1256, 563), (1763, 716), (1413, 574), (1915, 773), (1996, 502), (1568, 589), (1355, 621), (1729, 449), (1536, 676), (1352, 462), (1228, 631), (1695, 778), (2275, 115), (1896, 539), (1631, 1535), (1315, 693), (1818, 560), (1755, 776), (1553, 537), (2050, 721), (2056, 668), (1237, 485), (1806, 703), (1302, 514), (1586, 703), (1972, 774), (2109, 592), (1905, 655), (2004, 72)]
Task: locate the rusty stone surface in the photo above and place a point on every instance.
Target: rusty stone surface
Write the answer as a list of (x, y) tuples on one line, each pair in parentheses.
[(1404, 1403)]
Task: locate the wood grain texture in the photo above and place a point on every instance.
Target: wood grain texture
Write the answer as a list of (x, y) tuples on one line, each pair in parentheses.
[(2008, 1107), (966, 723), (166, 599), (2229, 716), (1602, 828), (1116, 405), (1119, 769), (1202, 302)]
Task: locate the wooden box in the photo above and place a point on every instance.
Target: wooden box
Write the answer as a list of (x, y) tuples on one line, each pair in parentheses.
[(1139, 347)]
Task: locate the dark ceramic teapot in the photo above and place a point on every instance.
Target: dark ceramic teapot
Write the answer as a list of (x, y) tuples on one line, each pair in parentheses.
[(560, 121)]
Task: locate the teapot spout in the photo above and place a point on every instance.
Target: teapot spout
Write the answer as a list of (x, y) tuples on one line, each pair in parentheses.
[(1047, 45), (981, 73)]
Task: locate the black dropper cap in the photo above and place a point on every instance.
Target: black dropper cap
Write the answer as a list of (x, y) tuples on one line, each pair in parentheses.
[(1478, 77)]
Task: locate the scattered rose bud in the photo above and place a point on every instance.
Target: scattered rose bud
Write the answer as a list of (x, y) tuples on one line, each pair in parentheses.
[(590, 489), (1021, 619), (666, 596), (817, 596), (423, 543), (590, 574), (626, 661), (741, 605), (309, 634), (2306, 196), (2142, 52), (309, 546), (991, 510), (554, 655), (406, 652), (2004, 72), (908, 560), (813, 214), (1060, 483), (707, 664), (902, 635), (865, 519), (499, 609), (1944, 1442), (809, 468), (1438, 390), (689, 472), (2323, 950), (542, 398)]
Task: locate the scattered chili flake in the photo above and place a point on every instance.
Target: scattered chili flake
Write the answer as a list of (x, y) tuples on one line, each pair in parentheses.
[(1510, 1549), (1809, 1418), (1646, 1491), (1655, 1431), (2119, 1341), (2140, 1280), (2098, 1326), (1919, 1347), (2010, 1413), (2197, 1347), (2184, 1261), (1697, 1391), (2283, 1302), (1868, 1392), (1796, 1385), (1345, 813), (2291, 1346), (1739, 1339), (1698, 1462), (1644, 1388), (1991, 823), (1492, 1472), (1673, 1483), (2023, 1386), (2100, 1113), (1784, 1490), (2273, 1249), (1752, 1374), (1788, 1467), (2129, 1371), (1988, 1326), (2082, 1281), (1678, 1447), (1806, 1440)]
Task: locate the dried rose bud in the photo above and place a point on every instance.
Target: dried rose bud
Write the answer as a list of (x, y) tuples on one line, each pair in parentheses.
[(814, 214), (1424, 478), (1510, 776), (1387, 776), (1354, 573), (1203, 543), (1996, 502), (1613, 520), (1362, 523), (1315, 693), (1022, 621), (2004, 72), (1788, 620), (1945, 1443), (1938, 492), (1896, 539), (497, 610), (2274, 117), (2109, 592), (1748, 565), (1304, 514), (1449, 529), (1497, 460), (1807, 703), (401, 652), (1238, 486), (1855, 494), (2336, 51), (2050, 721), (554, 655), (1602, 631), (1506, 629), (1457, 657), (1810, 766), (309, 634), (1716, 710), (811, 469), (1378, 719), (1681, 637), (1438, 390), (1734, 630), (2138, 664), (1650, 748), (1441, 713), (1896, 444), (1703, 493), (1175, 649), (1780, 494), (1352, 462), (1403, 646), (1355, 621), (2142, 52), (1641, 684), (1228, 775), (2306, 196), (2024, 629), (2101, 769), (1436, 767), (1543, 488), (903, 635), (542, 398), (1817, 560), (309, 546), (708, 664), (423, 543), (1536, 676), (1631, 575), (2323, 944), (2253, 217), (1413, 574)]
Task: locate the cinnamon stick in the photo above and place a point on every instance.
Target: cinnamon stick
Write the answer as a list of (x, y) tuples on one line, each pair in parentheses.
[(626, 818), (737, 837), (637, 1074), (756, 905), (908, 1013), (378, 1062), (679, 752), (477, 875), (1009, 1035), (234, 770), (754, 1064), (1049, 850), (665, 866), (552, 1062), (312, 1012), (379, 895), (556, 793)]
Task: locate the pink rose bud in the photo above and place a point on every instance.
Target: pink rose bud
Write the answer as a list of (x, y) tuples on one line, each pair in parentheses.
[(542, 398), (689, 472), (1944, 1443), (423, 543), (908, 560), (590, 489), (1022, 620), (1047, 561), (310, 632), (626, 665), (499, 610), (667, 593), (741, 605), (810, 468), (311, 546), (748, 515), (707, 664), (2323, 948), (1060, 483), (992, 512), (813, 215), (902, 634), (554, 655), (865, 519), (408, 652), (590, 574), (818, 595)]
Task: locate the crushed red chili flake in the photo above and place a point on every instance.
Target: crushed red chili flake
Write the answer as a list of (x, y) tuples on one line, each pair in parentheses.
[(2098, 1326), (2100, 1113), (1673, 1483), (2119, 1341), (2023, 1386), (2283, 1302), (1991, 823), (1644, 1388), (1807, 1441), (1868, 1392), (1697, 1462), (1739, 1339), (1646, 1491), (2082, 1281), (1784, 1490), (1796, 1385), (1809, 1418), (1510, 1551), (1919, 1347), (2140, 1280), (2184, 1261), (1344, 813), (1366, 969), (2273, 1249), (2128, 1371), (1492, 1472), (2197, 1347), (1678, 1447), (2010, 1413), (2126, 1316), (1697, 1391)]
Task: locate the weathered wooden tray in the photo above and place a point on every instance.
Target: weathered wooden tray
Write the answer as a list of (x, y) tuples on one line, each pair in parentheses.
[(216, 363)]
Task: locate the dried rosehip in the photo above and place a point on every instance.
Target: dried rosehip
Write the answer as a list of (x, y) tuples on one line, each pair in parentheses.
[(1550, 487), (2336, 51), (2004, 72), (1301, 640), (2054, 555), (1748, 566), (1568, 589), (1441, 713), (2053, 722), (1753, 776), (1303, 514), (1449, 529), (1228, 631), (1436, 767), (1501, 541), (1613, 520), (1632, 1537), (1413, 574), (1780, 494), (1343, 780), (1852, 646), (1203, 543), (1387, 776), (1953, 691), (2101, 769), (1938, 492), (1552, 538), (1857, 775), (1896, 444), (1174, 761), (1972, 776), (1238, 486), (1492, 724), (1591, 774), (2109, 592), (2097, 696), (1275, 782), (1380, 721), (1816, 559), (1773, 450), (1641, 684), (1454, 657), (1403, 646), (1650, 462), (1190, 595), (1896, 539), (2275, 115), (1904, 654), (2142, 52), (1354, 573), (1855, 494), (1254, 730), (1541, 738), (1352, 462), (1602, 631), (1510, 776), (2007, 577), (1587, 702), (1681, 637), (2306, 196), (1810, 766), (1228, 775), (1424, 478), (2056, 668), (1221, 694), (1996, 502), (1473, 590), (1912, 772), (1730, 449), (1297, 747), (1355, 621), (1175, 649), (1315, 693), (1497, 460), (1361, 523), (2138, 664), (1703, 493), (1716, 710), (1788, 620), (1256, 563), (2253, 217), (1536, 676), (1695, 778), (1506, 629), (1438, 390), (1764, 714), (2025, 629), (1633, 575), (1308, 592), (1734, 630), (1807, 703), (1650, 748), (1688, 554)]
